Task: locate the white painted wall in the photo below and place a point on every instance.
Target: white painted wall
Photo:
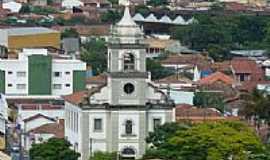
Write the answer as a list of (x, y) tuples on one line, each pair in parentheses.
[(21, 65), (36, 123)]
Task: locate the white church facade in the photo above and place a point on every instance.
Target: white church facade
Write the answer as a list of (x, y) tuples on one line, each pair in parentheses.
[(118, 115)]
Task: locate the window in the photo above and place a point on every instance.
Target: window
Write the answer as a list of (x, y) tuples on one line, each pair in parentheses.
[(67, 85), (128, 151), (129, 88), (9, 72), (9, 85), (156, 122), (129, 62), (57, 74), (21, 86), (67, 73), (57, 86), (128, 127), (242, 77), (21, 74), (97, 124)]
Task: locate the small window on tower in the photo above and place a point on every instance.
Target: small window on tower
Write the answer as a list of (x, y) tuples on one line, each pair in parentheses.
[(129, 62)]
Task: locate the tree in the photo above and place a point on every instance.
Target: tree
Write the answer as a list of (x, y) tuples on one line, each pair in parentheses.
[(211, 141), (70, 32), (53, 149), (142, 9), (25, 9), (162, 133), (221, 33), (156, 3), (94, 54), (209, 99), (104, 156), (256, 107), (157, 70), (110, 16)]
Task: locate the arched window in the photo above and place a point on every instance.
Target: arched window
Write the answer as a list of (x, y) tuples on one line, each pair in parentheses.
[(129, 62), (128, 127), (128, 151)]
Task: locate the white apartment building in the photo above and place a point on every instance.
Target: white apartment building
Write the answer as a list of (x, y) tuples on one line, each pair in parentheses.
[(37, 73)]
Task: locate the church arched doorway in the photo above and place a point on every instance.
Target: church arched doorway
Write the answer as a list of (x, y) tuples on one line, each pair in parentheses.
[(128, 153)]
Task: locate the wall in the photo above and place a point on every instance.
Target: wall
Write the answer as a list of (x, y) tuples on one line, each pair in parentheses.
[(2, 81), (33, 41), (39, 70), (11, 67), (79, 78)]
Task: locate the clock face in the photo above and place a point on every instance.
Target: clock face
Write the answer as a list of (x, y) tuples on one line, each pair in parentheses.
[(129, 88)]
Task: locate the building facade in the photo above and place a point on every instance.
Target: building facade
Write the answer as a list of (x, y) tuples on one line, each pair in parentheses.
[(37, 73), (29, 37), (117, 115)]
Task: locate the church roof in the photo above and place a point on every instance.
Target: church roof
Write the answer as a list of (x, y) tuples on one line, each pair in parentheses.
[(126, 19)]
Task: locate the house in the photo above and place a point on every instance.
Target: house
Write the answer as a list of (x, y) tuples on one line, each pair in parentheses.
[(14, 7), (44, 132), (156, 46), (69, 4), (95, 81), (245, 69), (195, 64), (179, 88), (71, 46), (117, 116), (58, 75), (17, 38), (97, 3), (189, 113), (217, 77)]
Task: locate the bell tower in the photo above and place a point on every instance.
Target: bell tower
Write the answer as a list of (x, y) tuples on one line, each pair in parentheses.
[(127, 62)]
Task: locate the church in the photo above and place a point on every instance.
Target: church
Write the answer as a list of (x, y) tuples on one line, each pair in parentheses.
[(118, 115)]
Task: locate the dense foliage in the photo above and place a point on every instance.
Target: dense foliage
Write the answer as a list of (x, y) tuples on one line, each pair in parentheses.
[(111, 16), (157, 2), (70, 33), (210, 141), (219, 34), (256, 107), (209, 99), (104, 156), (53, 149), (94, 54), (37, 10), (157, 70)]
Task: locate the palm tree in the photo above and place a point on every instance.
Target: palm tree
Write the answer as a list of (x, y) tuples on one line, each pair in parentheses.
[(257, 107)]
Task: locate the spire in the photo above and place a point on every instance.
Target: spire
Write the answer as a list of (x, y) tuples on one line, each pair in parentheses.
[(126, 19)]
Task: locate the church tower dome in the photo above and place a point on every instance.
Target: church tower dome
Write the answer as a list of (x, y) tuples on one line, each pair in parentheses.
[(126, 30)]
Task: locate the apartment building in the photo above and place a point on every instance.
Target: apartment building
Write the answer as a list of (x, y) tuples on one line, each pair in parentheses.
[(36, 72)]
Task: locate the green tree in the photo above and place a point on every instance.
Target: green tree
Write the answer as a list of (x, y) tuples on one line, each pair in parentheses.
[(142, 9), (156, 3), (157, 70), (206, 99), (104, 156), (94, 54), (70, 32), (25, 9), (53, 149), (256, 106), (212, 141), (110, 16)]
